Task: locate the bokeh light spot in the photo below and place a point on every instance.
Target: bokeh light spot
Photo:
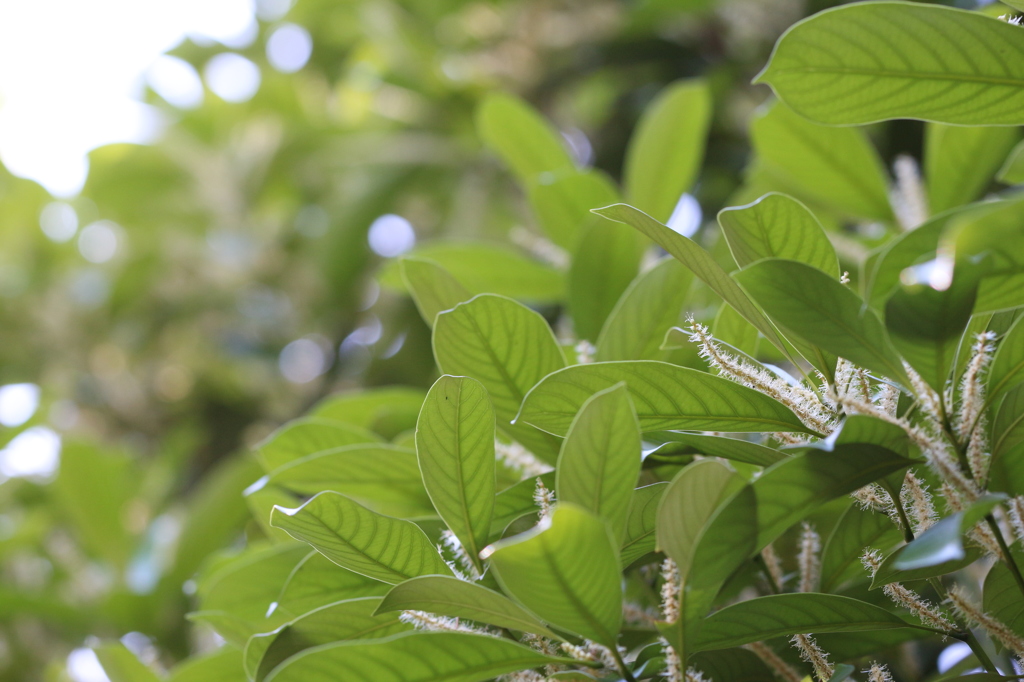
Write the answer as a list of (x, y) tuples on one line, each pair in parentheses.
[(289, 48), (391, 235), (18, 402), (59, 221), (232, 77)]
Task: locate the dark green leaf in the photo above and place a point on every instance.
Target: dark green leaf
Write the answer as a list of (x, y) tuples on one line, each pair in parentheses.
[(857, 530), (888, 573), (1002, 598)]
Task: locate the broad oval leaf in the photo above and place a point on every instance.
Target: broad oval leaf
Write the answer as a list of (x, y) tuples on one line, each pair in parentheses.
[(381, 547), (870, 62), (888, 573), (641, 523), (412, 657), (666, 397), (433, 288), (308, 435), (565, 571), (791, 614), (777, 226), (461, 599), (121, 665), (455, 448), (600, 458), (667, 148)]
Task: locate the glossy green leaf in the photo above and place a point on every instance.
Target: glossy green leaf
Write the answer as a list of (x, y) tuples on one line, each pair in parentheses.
[(600, 458), (888, 573), (856, 530), (455, 447), (317, 581), (121, 665), (790, 614), (835, 167), (720, 446), (1007, 370), (353, 619), (777, 226), (527, 143), (433, 288), (460, 599), (566, 572), (604, 263), (944, 542), (387, 549), (665, 396), (1012, 172), (651, 305), (641, 523), (667, 148), (823, 311), (699, 261), (562, 203), (506, 347), (870, 62), (302, 437), (960, 161), (690, 501), (412, 657)]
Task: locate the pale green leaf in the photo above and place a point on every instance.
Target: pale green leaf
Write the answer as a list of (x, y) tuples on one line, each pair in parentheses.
[(562, 203), (944, 541), (121, 665), (869, 62), (665, 153), (222, 665), (433, 288), (317, 581), (566, 572), (960, 161), (517, 501), (1007, 370), (387, 549), (306, 436), (1012, 172), (604, 263), (386, 410), (641, 523), (455, 448), (527, 143)]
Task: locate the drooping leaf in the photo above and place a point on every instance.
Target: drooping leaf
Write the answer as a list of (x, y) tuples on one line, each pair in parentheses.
[(835, 167), (433, 288), (566, 572), (121, 665), (506, 347), (349, 620), (698, 261), (605, 261), (1007, 370), (1012, 172), (862, 63), (822, 311), (562, 203), (719, 446), (455, 447), (667, 148), (317, 581), (790, 614), (650, 306), (856, 530), (387, 549), (777, 226), (945, 540), (412, 657), (666, 397), (960, 161), (461, 599), (641, 523), (527, 143), (306, 436), (600, 458)]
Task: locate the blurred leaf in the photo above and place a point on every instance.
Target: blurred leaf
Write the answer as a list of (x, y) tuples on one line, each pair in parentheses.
[(1007, 474), (386, 411), (1012, 172), (730, 327), (121, 665), (665, 153), (960, 161), (1007, 370), (317, 581), (562, 204), (455, 449), (864, 63), (433, 288), (380, 547), (641, 522), (223, 665), (306, 436), (732, 664), (605, 261), (527, 144), (566, 572)]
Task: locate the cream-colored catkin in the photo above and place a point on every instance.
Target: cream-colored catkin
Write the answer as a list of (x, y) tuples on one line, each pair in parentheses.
[(423, 620), (812, 653), (972, 386), (887, 398), (784, 671), (773, 565), (1015, 507), (918, 501), (694, 675), (973, 613), (878, 673), (670, 587), (545, 499), (519, 459), (809, 559), (926, 611), (673, 666), (636, 614)]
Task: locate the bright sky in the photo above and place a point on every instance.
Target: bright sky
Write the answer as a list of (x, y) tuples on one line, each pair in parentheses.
[(72, 71)]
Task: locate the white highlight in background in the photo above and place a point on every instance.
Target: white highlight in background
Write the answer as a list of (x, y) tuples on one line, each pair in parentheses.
[(176, 81), (59, 221), (232, 77), (391, 235), (33, 453), (687, 216), (18, 402), (289, 48)]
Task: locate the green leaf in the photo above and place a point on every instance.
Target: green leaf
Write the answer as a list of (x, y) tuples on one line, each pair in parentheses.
[(387, 549), (566, 572), (121, 665), (1002, 595), (562, 203), (639, 538), (412, 657), (835, 167), (517, 501), (665, 153), (822, 311), (1012, 172), (730, 327), (433, 288), (461, 599), (719, 446), (943, 542), (888, 573), (780, 615), (387, 410), (379, 476), (870, 62), (600, 458), (960, 161), (777, 226), (856, 530), (455, 447), (666, 397), (691, 499), (317, 581), (1008, 444), (306, 436), (508, 348), (732, 664), (223, 665), (353, 619), (604, 263), (651, 305), (527, 143), (699, 261), (1007, 370)]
